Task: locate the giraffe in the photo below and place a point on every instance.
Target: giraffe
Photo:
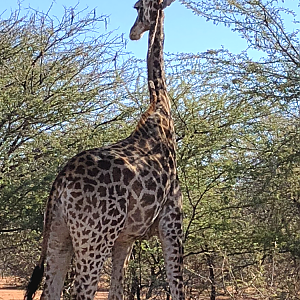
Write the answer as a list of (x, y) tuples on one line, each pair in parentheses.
[(106, 198)]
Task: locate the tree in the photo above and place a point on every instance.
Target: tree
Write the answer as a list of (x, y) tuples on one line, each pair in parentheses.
[(59, 82), (237, 126), (241, 176)]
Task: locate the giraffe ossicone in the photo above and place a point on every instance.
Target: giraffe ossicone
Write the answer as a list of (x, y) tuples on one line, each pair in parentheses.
[(106, 198)]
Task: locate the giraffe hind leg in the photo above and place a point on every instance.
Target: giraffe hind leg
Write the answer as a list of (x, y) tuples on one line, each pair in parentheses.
[(59, 255), (88, 264), (120, 257)]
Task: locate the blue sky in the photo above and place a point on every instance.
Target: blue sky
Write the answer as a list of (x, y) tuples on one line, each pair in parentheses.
[(184, 32)]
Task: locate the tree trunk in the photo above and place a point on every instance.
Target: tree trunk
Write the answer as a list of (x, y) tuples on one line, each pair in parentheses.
[(210, 265)]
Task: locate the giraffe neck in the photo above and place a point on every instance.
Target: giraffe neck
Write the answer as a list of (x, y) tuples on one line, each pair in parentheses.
[(155, 62), (156, 124)]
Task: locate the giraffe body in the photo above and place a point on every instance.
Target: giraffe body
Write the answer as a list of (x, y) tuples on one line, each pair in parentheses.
[(106, 198)]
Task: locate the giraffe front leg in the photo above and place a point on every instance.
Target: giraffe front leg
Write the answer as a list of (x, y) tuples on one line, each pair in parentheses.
[(120, 257), (171, 235)]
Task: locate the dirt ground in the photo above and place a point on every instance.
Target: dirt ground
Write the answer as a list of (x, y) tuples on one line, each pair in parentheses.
[(10, 290)]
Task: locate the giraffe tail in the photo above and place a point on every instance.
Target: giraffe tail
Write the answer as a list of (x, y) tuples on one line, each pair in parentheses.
[(38, 272), (35, 281)]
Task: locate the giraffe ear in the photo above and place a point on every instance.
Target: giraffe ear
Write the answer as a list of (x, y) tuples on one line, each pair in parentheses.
[(166, 3)]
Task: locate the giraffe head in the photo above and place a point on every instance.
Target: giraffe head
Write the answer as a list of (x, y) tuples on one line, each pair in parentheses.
[(145, 16)]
